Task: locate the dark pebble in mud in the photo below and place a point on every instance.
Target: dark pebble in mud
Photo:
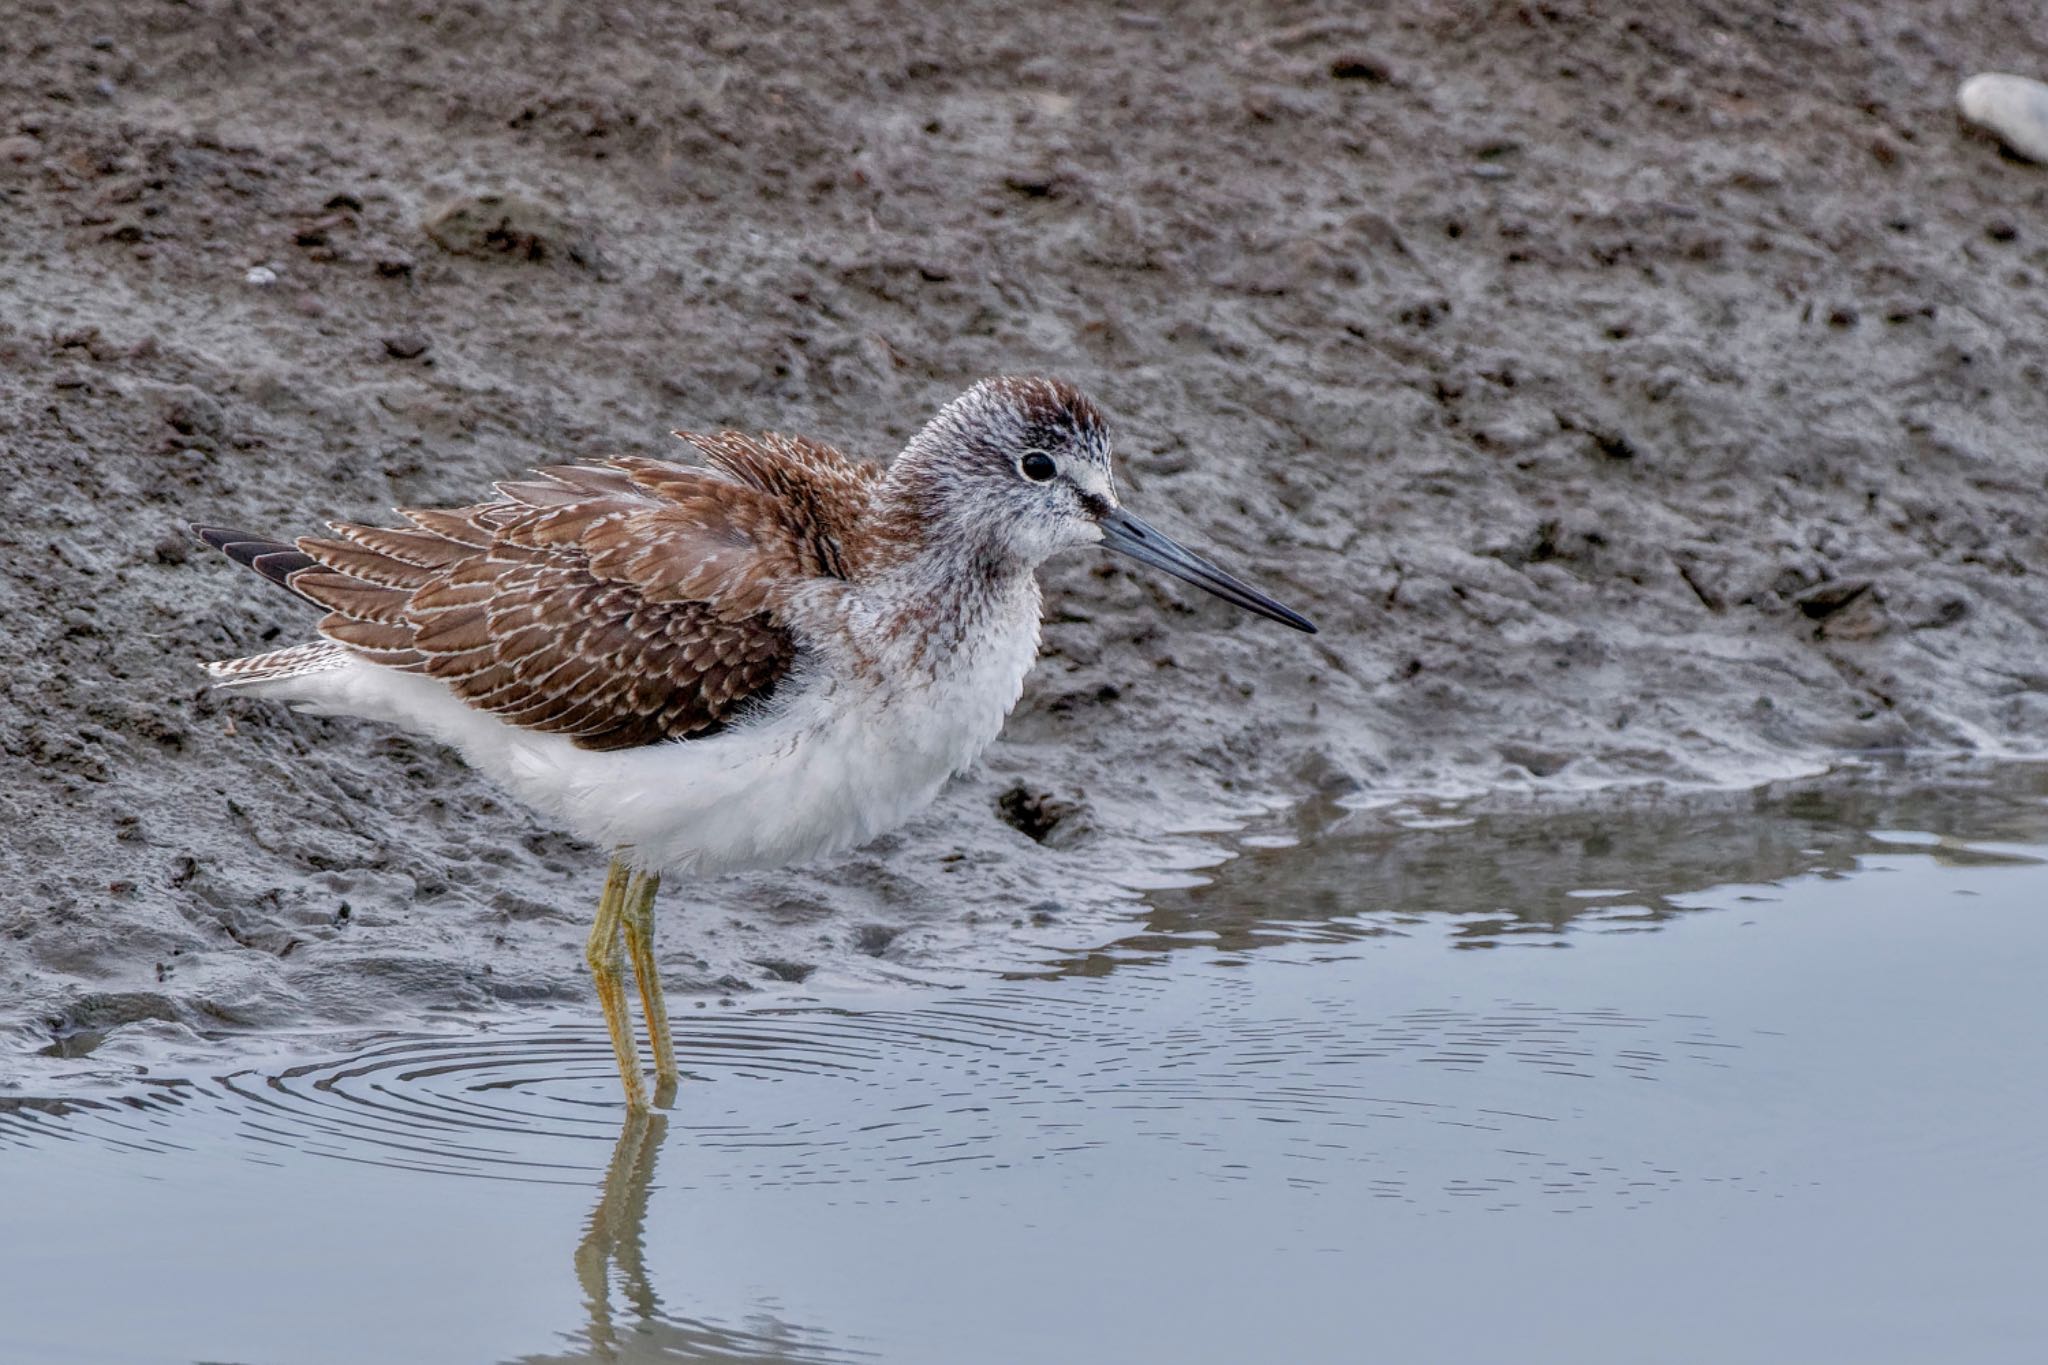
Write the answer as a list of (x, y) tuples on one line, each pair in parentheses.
[(1039, 815), (1539, 761), (1825, 599), (1358, 66), (507, 226), (192, 413), (874, 939)]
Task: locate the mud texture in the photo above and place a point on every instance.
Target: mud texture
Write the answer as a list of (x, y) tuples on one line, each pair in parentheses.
[(1639, 393)]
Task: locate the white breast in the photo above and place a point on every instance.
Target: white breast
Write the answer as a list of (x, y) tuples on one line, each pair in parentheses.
[(846, 754)]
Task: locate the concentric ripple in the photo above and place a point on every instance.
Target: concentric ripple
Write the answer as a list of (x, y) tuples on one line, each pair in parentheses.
[(1026, 1072)]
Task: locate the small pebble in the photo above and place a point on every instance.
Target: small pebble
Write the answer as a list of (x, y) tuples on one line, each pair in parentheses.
[(405, 346), (262, 276), (1361, 66), (1825, 599), (489, 225), (2013, 108)]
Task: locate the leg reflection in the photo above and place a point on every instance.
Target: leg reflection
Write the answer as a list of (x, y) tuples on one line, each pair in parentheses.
[(612, 1260), (616, 1233)]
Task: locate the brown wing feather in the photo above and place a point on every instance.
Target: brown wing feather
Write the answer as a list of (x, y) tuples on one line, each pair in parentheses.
[(822, 496), (619, 605)]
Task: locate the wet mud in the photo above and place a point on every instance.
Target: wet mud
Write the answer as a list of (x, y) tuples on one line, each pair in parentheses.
[(1635, 398)]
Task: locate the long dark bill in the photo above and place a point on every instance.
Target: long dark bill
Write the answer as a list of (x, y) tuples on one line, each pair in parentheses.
[(1127, 535)]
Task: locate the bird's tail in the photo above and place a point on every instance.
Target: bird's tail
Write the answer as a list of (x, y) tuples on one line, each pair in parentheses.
[(277, 562), (317, 656), (274, 559)]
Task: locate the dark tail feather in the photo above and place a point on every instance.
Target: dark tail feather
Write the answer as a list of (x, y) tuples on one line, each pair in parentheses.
[(274, 559)]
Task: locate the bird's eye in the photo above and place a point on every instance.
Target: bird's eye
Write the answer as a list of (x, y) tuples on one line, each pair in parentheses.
[(1037, 467)]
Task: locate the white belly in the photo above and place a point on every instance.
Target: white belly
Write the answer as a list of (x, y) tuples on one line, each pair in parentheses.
[(838, 763)]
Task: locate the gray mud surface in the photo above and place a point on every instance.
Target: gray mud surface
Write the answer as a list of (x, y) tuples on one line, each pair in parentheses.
[(1640, 394)]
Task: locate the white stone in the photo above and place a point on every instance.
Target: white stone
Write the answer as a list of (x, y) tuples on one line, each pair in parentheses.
[(2014, 108), (262, 276)]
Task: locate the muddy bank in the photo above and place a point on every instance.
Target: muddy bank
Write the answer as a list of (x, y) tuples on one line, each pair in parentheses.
[(1646, 398)]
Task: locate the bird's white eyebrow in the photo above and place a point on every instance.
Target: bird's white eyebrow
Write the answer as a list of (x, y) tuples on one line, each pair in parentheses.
[(1089, 477)]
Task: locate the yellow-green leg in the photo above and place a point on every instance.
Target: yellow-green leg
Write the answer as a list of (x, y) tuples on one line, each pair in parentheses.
[(639, 924), (607, 968)]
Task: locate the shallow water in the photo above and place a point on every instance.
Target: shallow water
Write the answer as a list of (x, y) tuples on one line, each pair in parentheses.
[(1771, 1090)]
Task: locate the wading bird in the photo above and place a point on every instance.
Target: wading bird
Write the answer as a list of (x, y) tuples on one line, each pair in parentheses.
[(766, 659)]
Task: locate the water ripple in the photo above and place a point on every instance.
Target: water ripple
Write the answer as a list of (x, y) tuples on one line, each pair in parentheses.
[(1030, 1071)]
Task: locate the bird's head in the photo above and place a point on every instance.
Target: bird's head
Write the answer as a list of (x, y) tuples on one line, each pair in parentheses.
[(1021, 468)]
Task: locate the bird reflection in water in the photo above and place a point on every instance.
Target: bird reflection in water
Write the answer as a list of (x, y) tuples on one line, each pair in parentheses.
[(616, 1234), (626, 1322)]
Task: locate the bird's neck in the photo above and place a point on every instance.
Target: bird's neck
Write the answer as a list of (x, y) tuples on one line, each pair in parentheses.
[(918, 531), (957, 586), (931, 588)]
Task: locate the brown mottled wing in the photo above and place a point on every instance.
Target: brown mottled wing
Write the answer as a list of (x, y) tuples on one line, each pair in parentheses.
[(620, 605), (820, 497)]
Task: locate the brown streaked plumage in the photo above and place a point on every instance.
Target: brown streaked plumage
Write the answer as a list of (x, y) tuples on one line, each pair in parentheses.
[(527, 607), (766, 659)]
